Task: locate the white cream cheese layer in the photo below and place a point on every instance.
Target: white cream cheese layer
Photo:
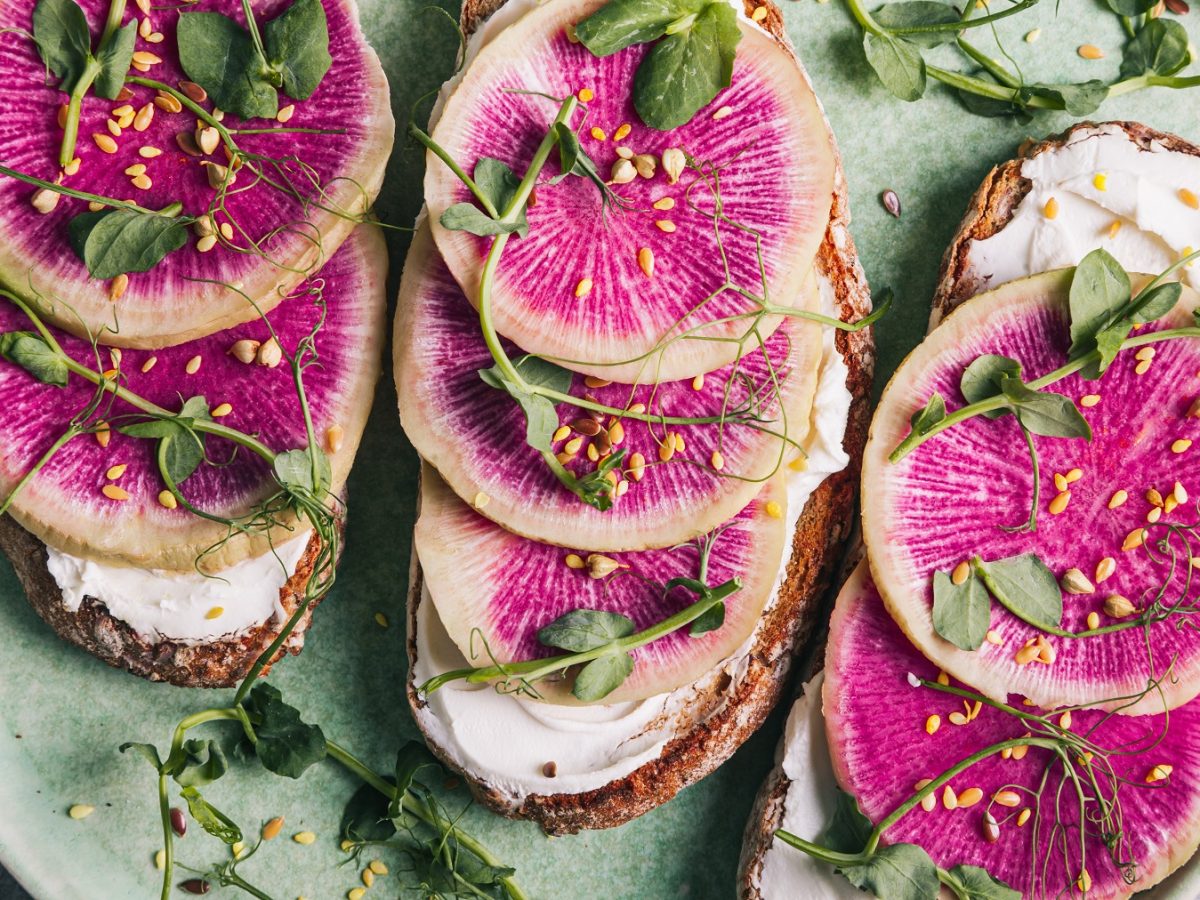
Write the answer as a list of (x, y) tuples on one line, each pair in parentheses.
[(176, 606), (506, 740), (1098, 179)]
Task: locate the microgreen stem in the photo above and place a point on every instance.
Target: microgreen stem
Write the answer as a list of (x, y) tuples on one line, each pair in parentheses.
[(943, 27), (78, 195), (252, 25), (199, 111), (286, 130), (534, 669), (440, 152), (992, 67)]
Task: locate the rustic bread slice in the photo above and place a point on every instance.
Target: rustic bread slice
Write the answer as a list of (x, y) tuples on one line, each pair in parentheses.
[(723, 711), (989, 212), (212, 664)]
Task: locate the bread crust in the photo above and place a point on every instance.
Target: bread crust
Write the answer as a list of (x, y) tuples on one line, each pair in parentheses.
[(990, 209), (93, 628), (725, 719)]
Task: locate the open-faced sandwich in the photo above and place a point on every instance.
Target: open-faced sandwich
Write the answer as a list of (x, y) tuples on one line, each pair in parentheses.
[(632, 348), (1009, 697), (191, 322)]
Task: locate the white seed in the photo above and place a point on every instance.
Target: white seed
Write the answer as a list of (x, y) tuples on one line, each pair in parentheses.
[(244, 350), (645, 164), (673, 163), (44, 200), (208, 139), (270, 354), (623, 172), (1075, 582)]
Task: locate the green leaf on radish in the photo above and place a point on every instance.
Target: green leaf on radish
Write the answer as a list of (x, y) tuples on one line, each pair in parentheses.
[(31, 352), (60, 30), (961, 612), (294, 469), (974, 883), (114, 242), (602, 676), (581, 630), (180, 453), (929, 415), (1155, 303), (297, 43), (1044, 412), (623, 23), (981, 379), (114, 59), (687, 68), (895, 872), (219, 55), (1026, 587), (848, 830), (497, 182), (1100, 290)]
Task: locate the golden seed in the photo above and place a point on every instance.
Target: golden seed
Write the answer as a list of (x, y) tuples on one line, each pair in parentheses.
[(1105, 568), (146, 58), (1154, 515), (114, 128), (208, 139), (774, 510), (969, 798), (1160, 772), (206, 243), (673, 162), (637, 466), (1090, 51), (136, 169), (593, 453), (637, 408), (1084, 882), (960, 573), (1179, 493), (167, 499), (80, 811), (1059, 503), (563, 458), (573, 446), (227, 231), (583, 288), (156, 37), (561, 434), (215, 613), (1060, 481), (1189, 198), (1075, 582), (304, 837), (718, 461), (645, 164), (949, 799), (72, 167), (93, 206), (759, 14), (105, 143), (269, 354), (1093, 621), (1145, 353), (368, 877), (1027, 654), (149, 364), (1118, 499), (1006, 753), (598, 134), (145, 28), (574, 561), (957, 718), (993, 637), (645, 258), (378, 866), (1100, 181), (44, 200), (1134, 539), (586, 95), (1010, 799), (624, 153), (1064, 721), (1142, 368), (167, 102), (666, 450), (1118, 607), (480, 500), (144, 117), (285, 114), (623, 170), (723, 113), (933, 723), (1050, 210), (1032, 36), (1019, 752), (221, 410), (193, 91), (1024, 817), (1114, 228), (1074, 475), (160, 860), (1181, 445), (193, 365), (102, 433), (356, 894), (600, 566), (664, 203), (142, 182), (115, 472), (1154, 497), (118, 286), (112, 492), (665, 225), (622, 132)]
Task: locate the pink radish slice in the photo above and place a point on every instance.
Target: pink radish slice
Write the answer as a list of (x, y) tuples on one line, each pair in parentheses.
[(876, 724), (765, 133), (492, 588), (474, 435), (168, 305), (64, 504), (946, 501)]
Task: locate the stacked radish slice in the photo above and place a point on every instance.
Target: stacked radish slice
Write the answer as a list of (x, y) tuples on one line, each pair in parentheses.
[(613, 368), (193, 327)]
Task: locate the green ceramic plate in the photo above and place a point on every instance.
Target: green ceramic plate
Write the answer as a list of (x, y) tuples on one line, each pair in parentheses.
[(65, 714)]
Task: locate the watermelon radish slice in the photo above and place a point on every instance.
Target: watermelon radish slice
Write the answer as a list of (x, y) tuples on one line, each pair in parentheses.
[(878, 738), (168, 304), (474, 435), (947, 501), (65, 504), (494, 589), (573, 289)]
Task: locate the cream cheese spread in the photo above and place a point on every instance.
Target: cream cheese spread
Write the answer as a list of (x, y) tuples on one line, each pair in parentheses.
[(1098, 179), (507, 740), (177, 606)]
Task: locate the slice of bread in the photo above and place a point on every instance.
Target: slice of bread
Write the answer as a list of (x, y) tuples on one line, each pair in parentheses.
[(989, 211), (213, 664), (722, 711)]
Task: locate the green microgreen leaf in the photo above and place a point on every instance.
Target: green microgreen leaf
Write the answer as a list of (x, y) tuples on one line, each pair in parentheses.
[(60, 30), (686, 70), (898, 64), (1151, 305), (219, 55), (1100, 289), (180, 453), (929, 415), (286, 745), (147, 751), (366, 817), (1027, 588), (574, 160), (1131, 7), (1079, 100), (895, 872), (622, 23), (31, 352), (113, 242), (114, 59), (981, 379), (294, 469), (1159, 48), (594, 488), (581, 630), (210, 818), (602, 676), (848, 830), (961, 612), (412, 757), (1044, 412), (974, 883), (203, 763), (919, 12), (497, 182), (710, 620), (297, 44)]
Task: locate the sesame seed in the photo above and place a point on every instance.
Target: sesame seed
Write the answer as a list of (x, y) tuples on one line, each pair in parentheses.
[(1189, 198), (1090, 51), (957, 718), (698, 383), (304, 837), (1181, 445), (72, 167), (381, 620), (1160, 772), (933, 723), (1114, 228), (193, 365), (583, 288), (1134, 539), (112, 492), (1024, 817), (586, 95), (1074, 475), (271, 830), (378, 867), (949, 798), (105, 143), (1032, 36), (1093, 621), (1059, 503), (1089, 400), (221, 410), (723, 113), (1105, 569), (665, 225), (665, 203), (144, 117), (622, 132), (142, 182), (969, 798), (598, 133), (1060, 481), (115, 472), (960, 573), (774, 510), (285, 114), (160, 860), (645, 258), (718, 461), (562, 433), (1050, 210), (1118, 499)]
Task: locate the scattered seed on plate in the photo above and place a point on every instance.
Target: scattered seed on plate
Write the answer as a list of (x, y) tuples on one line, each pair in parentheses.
[(81, 811), (1090, 51), (1050, 210), (645, 258), (1189, 198), (381, 620), (891, 202), (1032, 36), (304, 837), (193, 364)]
